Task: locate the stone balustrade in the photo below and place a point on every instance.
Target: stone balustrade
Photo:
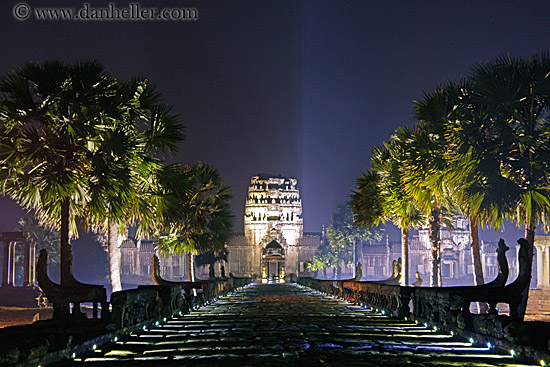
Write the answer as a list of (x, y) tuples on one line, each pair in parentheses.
[(447, 308)]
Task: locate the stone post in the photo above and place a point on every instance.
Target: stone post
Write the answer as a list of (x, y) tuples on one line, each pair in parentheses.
[(11, 263), (542, 244), (545, 275), (27, 264), (32, 269)]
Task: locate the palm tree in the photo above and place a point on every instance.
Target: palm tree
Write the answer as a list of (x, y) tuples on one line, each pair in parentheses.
[(344, 235), (75, 142), (380, 197), (53, 118), (199, 217), (444, 108), (120, 185), (515, 93), (422, 175)]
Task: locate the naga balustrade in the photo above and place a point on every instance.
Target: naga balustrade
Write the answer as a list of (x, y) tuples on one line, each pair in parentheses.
[(62, 295), (208, 289), (445, 307)]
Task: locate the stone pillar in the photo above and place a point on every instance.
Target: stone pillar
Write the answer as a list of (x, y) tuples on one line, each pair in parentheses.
[(10, 241), (32, 270), (542, 244), (29, 264), (26, 264), (11, 263), (545, 282)]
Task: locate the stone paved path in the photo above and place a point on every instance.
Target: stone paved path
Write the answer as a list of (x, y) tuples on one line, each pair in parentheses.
[(287, 325)]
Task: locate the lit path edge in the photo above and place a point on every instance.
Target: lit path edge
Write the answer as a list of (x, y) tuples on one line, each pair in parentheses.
[(287, 324)]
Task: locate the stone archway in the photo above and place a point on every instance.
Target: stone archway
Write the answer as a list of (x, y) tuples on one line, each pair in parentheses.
[(273, 263)]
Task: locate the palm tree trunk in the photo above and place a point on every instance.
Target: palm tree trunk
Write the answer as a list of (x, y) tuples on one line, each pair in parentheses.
[(190, 267), (476, 258), (434, 221), (354, 259), (66, 266), (476, 255), (530, 237), (404, 256), (113, 250)]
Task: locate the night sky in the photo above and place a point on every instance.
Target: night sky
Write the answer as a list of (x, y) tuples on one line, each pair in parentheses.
[(296, 88)]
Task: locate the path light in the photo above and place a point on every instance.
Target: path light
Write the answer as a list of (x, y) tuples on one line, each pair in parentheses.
[(73, 355), (472, 340), (115, 339), (435, 328), (513, 353), (94, 347), (489, 345), (452, 333), (542, 363)]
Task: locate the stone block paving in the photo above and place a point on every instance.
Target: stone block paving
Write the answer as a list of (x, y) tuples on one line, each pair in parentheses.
[(289, 325)]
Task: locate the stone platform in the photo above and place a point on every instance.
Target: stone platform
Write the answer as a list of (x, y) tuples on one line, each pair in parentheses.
[(538, 305), (289, 325)]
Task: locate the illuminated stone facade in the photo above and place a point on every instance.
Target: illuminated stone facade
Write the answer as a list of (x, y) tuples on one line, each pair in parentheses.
[(273, 212), (136, 257), (456, 257)]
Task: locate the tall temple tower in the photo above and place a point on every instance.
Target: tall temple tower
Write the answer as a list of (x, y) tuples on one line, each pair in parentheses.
[(273, 225)]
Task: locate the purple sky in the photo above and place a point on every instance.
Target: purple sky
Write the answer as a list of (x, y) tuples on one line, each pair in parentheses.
[(299, 88)]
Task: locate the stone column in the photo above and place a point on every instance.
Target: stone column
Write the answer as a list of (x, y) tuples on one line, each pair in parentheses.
[(542, 244), (11, 263), (29, 263), (545, 281), (32, 269), (26, 264)]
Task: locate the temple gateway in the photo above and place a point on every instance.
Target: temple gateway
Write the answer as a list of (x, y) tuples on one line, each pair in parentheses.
[(274, 245)]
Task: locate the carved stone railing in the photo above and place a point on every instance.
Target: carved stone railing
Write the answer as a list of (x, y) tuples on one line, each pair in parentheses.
[(449, 307), (445, 307), (158, 280), (207, 289), (62, 295), (392, 299), (396, 274)]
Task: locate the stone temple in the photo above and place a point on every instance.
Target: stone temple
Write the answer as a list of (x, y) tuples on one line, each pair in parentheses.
[(274, 245)]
